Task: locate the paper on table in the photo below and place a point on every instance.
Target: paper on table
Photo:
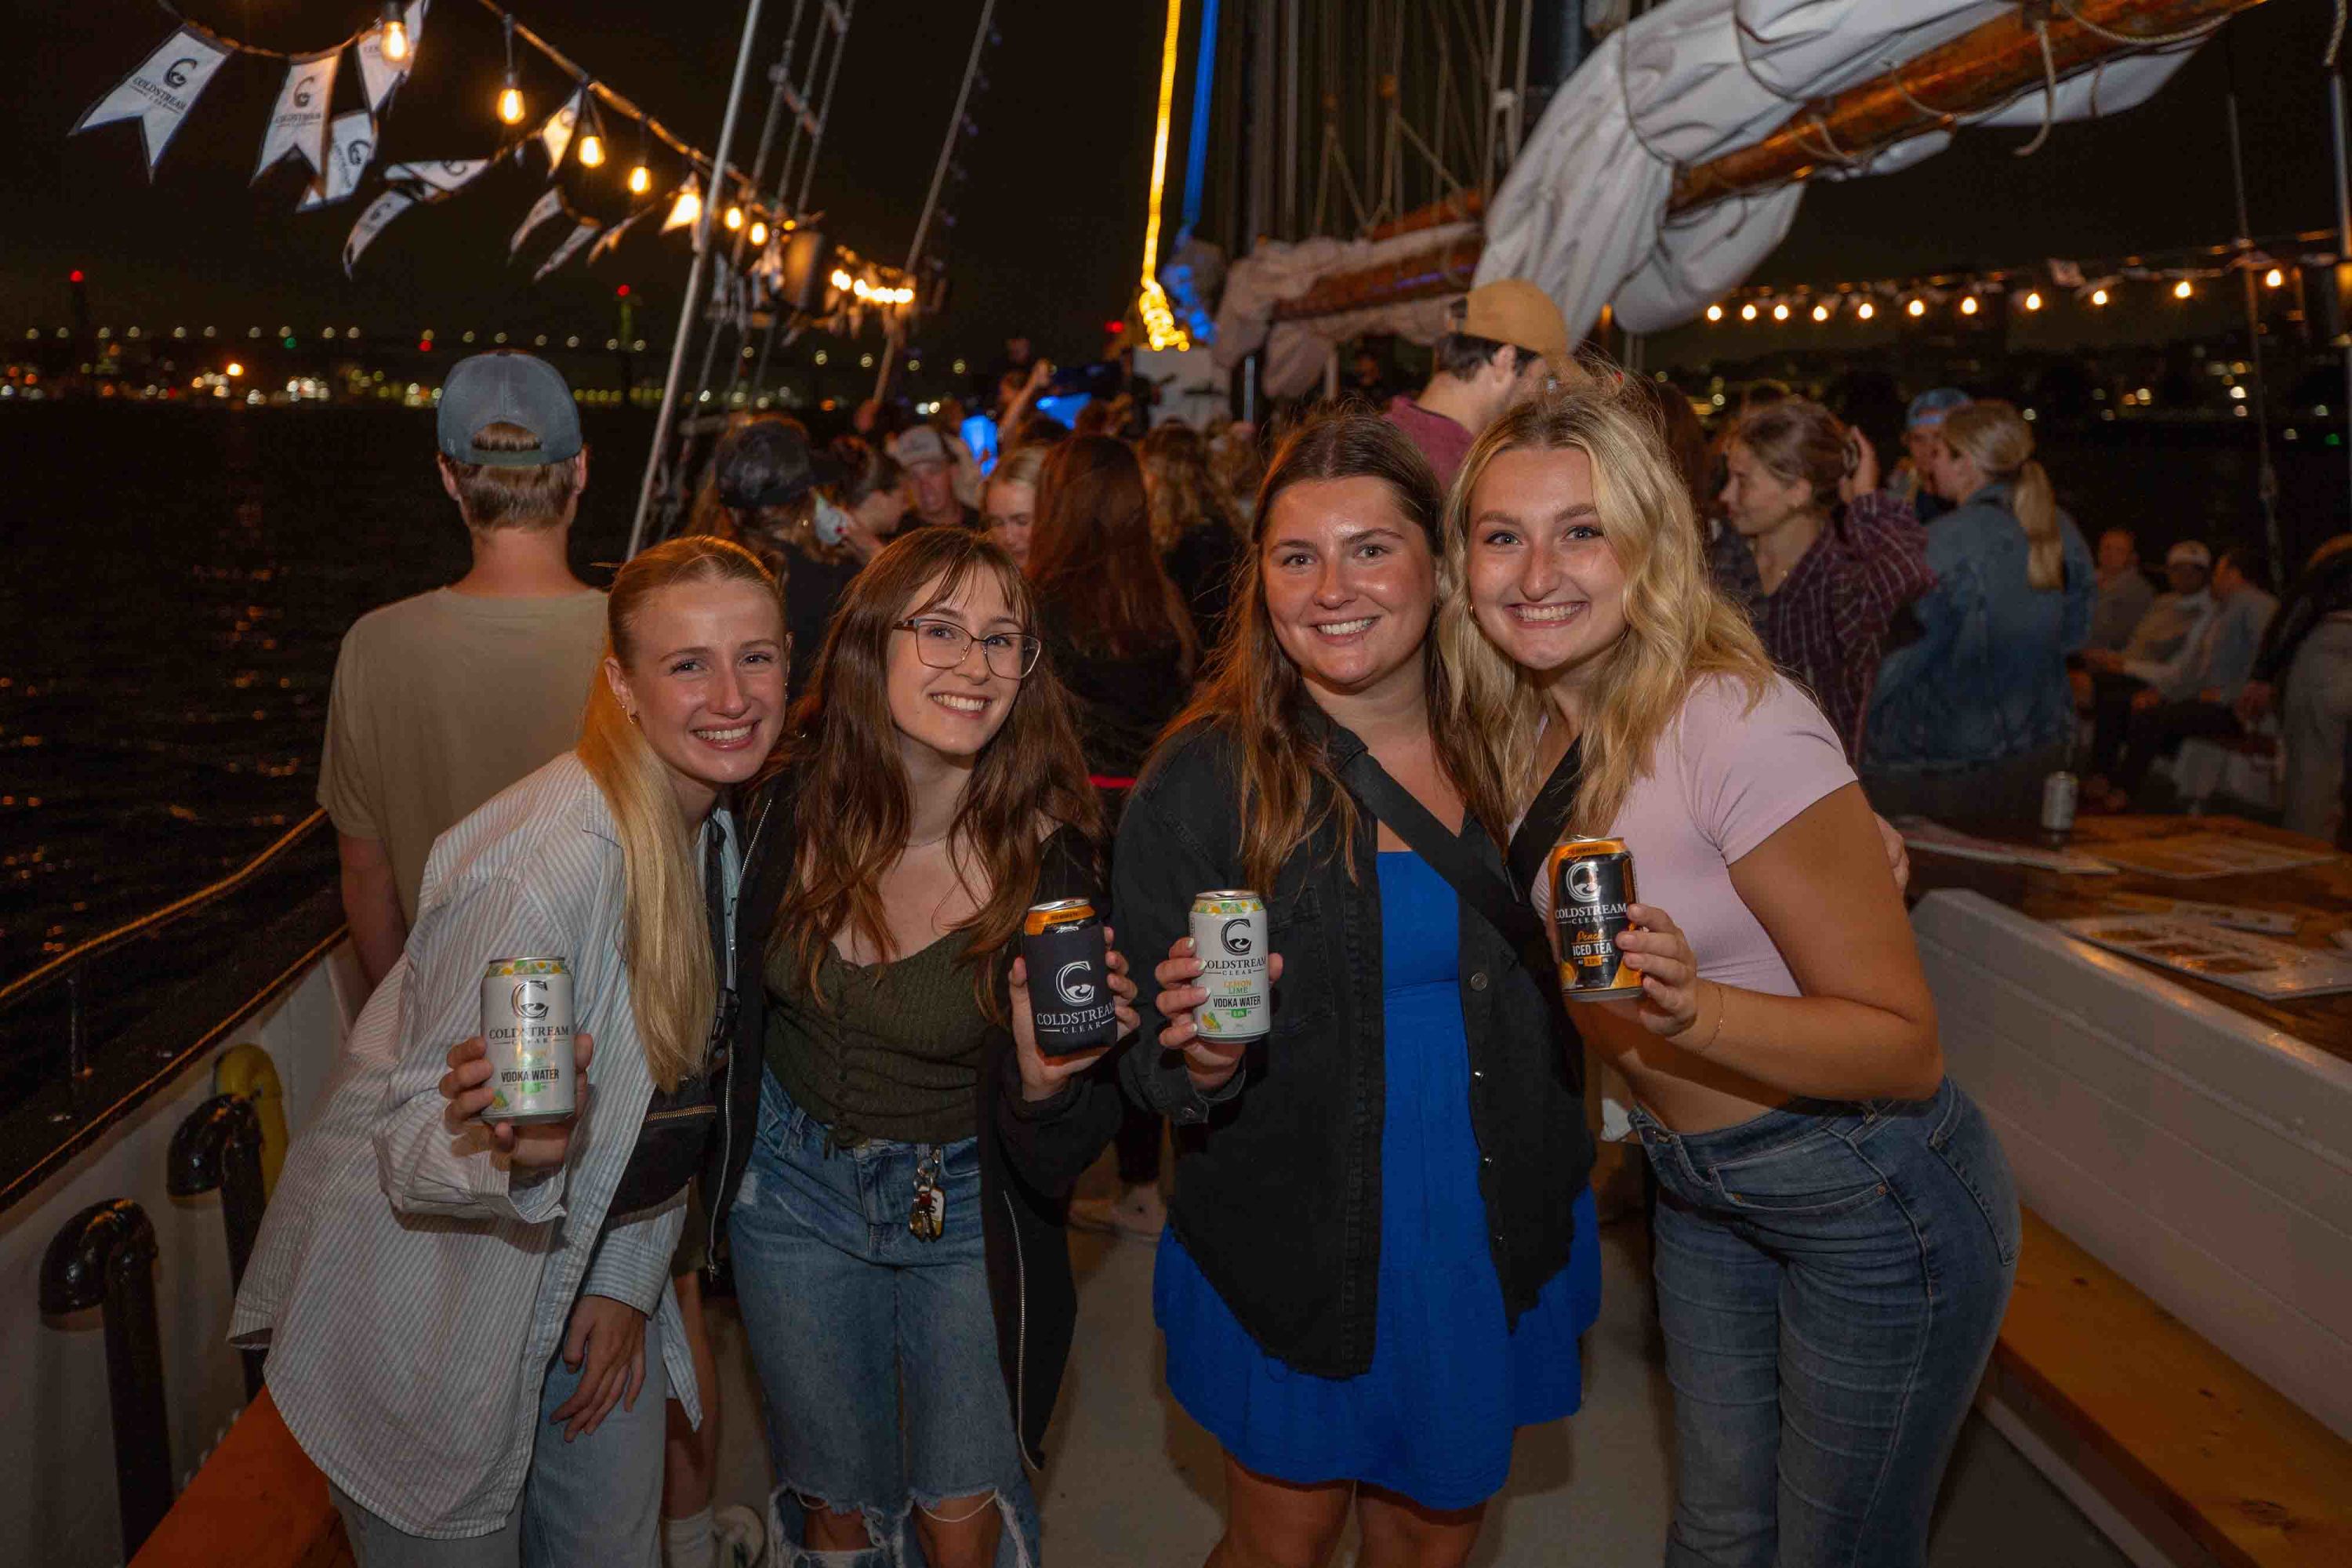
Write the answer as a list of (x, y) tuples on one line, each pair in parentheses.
[(2270, 922), (2190, 856), (2255, 964), (1921, 833)]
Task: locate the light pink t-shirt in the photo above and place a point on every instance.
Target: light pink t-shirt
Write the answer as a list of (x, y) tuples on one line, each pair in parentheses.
[(1725, 778)]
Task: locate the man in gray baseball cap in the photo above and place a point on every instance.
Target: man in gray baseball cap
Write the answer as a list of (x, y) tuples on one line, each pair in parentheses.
[(443, 700)]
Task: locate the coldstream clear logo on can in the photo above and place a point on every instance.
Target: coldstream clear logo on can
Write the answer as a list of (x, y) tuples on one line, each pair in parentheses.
[(1229, 939), (527, 1030), (1070, 1001), (1591, 884)]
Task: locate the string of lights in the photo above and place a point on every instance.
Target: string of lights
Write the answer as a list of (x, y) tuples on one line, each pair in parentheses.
[(1160, 324), (2093, 284)]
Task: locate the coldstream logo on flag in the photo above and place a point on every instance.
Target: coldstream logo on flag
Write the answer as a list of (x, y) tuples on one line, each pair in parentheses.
[(298, 124), (445, 176), (380, 212), (160, 93), (380, 76), (348, 147), (557, 133)]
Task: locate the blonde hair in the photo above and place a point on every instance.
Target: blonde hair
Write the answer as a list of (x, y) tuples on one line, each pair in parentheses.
[(1678, 629), (1021, 466), (666, 936), (531, 499), (1993, 435)]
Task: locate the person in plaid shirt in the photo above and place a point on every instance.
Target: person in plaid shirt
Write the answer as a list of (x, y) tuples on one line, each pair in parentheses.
[(1836, 558)]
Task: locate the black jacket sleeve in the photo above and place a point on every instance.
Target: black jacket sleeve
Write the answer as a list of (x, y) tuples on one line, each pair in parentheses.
[(1050, 1145), (2324, 588)]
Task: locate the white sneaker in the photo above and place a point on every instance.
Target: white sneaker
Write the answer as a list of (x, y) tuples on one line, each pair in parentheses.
[(741, 1538)]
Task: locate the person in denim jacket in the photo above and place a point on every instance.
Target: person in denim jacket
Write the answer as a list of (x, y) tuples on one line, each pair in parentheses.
[(1970, 717)]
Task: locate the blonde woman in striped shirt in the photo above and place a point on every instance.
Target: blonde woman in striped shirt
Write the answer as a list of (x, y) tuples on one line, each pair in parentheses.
[(470, 1327)]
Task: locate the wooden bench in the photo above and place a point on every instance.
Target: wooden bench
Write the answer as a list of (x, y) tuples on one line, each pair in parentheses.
[(2246, 1474), (257, 1502)]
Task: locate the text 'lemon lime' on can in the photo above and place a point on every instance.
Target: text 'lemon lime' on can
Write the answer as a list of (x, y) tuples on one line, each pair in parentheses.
[(1229, 939), (1591, 884), (527, 1030)]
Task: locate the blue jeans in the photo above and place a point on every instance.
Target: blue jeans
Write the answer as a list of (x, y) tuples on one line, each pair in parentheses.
[(596, 1499), (1830, 1278), (851, 1318)]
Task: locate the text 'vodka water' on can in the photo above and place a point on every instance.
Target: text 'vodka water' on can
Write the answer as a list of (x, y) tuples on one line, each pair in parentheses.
[(1229, 939), (1591, 884), (527, 1030), (1070, 1000)]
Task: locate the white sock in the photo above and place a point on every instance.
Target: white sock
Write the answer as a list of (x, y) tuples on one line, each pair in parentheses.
[(687, 1543)]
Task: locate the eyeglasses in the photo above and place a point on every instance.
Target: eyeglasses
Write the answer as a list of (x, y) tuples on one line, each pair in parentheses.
[(942, 645)]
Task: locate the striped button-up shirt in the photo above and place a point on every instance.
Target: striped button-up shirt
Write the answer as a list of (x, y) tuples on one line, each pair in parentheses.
[(411, 1287)]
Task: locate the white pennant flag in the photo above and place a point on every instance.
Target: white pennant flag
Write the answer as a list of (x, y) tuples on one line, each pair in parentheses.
[(557, 133), (350, 144), (550, 202), (380, 212), (563, 253), (445, 177), (160, 93), (687, 208), (382, 77), (612, 237), (298, 124), (2065, 274)]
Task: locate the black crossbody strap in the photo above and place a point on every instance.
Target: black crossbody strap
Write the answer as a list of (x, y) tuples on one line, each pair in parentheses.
[(1477, 884)]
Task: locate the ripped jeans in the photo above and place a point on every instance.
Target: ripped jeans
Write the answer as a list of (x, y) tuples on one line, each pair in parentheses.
[(851, 1319)]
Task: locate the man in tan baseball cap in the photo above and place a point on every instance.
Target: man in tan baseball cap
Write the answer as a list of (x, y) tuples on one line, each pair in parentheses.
[(1508, 343)]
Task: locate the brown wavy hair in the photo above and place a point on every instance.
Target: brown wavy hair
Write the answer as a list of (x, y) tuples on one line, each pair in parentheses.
[(851, 808), (1091, 556), (1254, 696), (1176, 480)]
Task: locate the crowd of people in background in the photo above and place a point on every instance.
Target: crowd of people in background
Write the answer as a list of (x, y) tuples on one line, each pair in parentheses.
[(886, 692)]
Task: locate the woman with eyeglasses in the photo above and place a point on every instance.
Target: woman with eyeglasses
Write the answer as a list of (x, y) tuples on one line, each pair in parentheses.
[(896, 1222)]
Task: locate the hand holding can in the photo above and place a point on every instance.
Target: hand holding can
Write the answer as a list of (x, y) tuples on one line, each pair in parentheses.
[(467, 1088)]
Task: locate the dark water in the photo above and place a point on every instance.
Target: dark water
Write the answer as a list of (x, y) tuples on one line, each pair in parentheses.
[(173, 583)]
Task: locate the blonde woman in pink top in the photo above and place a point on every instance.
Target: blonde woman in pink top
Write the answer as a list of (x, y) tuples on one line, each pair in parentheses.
[(1837, 1229)]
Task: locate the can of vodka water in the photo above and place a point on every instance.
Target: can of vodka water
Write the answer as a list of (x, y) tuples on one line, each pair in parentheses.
[(1229, 939), (527, 1027), (2058, 794), (1069, 977), (1591, 884)]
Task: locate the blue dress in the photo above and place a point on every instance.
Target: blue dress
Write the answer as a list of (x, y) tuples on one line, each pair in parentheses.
[(1449, 1384)]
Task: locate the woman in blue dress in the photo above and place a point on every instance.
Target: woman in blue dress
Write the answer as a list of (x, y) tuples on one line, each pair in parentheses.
[(1381, 1251)]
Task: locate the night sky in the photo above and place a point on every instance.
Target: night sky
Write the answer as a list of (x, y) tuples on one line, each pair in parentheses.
[(1049, 220)]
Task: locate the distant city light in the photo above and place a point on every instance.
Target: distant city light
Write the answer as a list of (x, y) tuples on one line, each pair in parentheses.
[(1917, 307)]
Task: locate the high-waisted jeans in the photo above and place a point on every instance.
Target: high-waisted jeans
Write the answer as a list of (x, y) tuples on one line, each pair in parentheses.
[(1830, 1278)]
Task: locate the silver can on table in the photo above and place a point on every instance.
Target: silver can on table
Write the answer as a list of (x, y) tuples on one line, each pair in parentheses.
[(527, 1030), (2058, 797)]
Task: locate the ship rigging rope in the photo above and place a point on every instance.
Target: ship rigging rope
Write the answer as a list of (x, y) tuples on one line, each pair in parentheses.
[(2141, 40)]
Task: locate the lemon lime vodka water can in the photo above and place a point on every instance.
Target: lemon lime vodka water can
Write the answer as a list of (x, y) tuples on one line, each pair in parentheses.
[(1229, 939), (527, 1029)]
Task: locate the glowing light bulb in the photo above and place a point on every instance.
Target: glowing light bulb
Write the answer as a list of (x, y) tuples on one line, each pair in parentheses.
[(759, 233), (591, 151), (1864, 310), (1748, 312), (1968, 306), (2181, 290), (235, 368), (510, 106), (2273, 278), (1917, 307), (2033, 299), (395, 33), (1820, 312), (840, 279), (641, 180), (2098, 296), (1780, 313), (1715, 312), (734, 217)]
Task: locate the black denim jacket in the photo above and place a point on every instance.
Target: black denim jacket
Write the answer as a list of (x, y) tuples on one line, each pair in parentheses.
[(1278, 1182)]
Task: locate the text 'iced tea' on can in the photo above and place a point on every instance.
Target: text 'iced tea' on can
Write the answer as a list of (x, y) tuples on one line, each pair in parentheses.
[(1229, 939), (1591, 884), (527, 1027), (1069, 977)]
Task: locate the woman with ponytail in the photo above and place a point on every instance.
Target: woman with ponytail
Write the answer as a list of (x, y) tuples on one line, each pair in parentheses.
[(469, 1324), (1836, 558), (1970, 718)]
